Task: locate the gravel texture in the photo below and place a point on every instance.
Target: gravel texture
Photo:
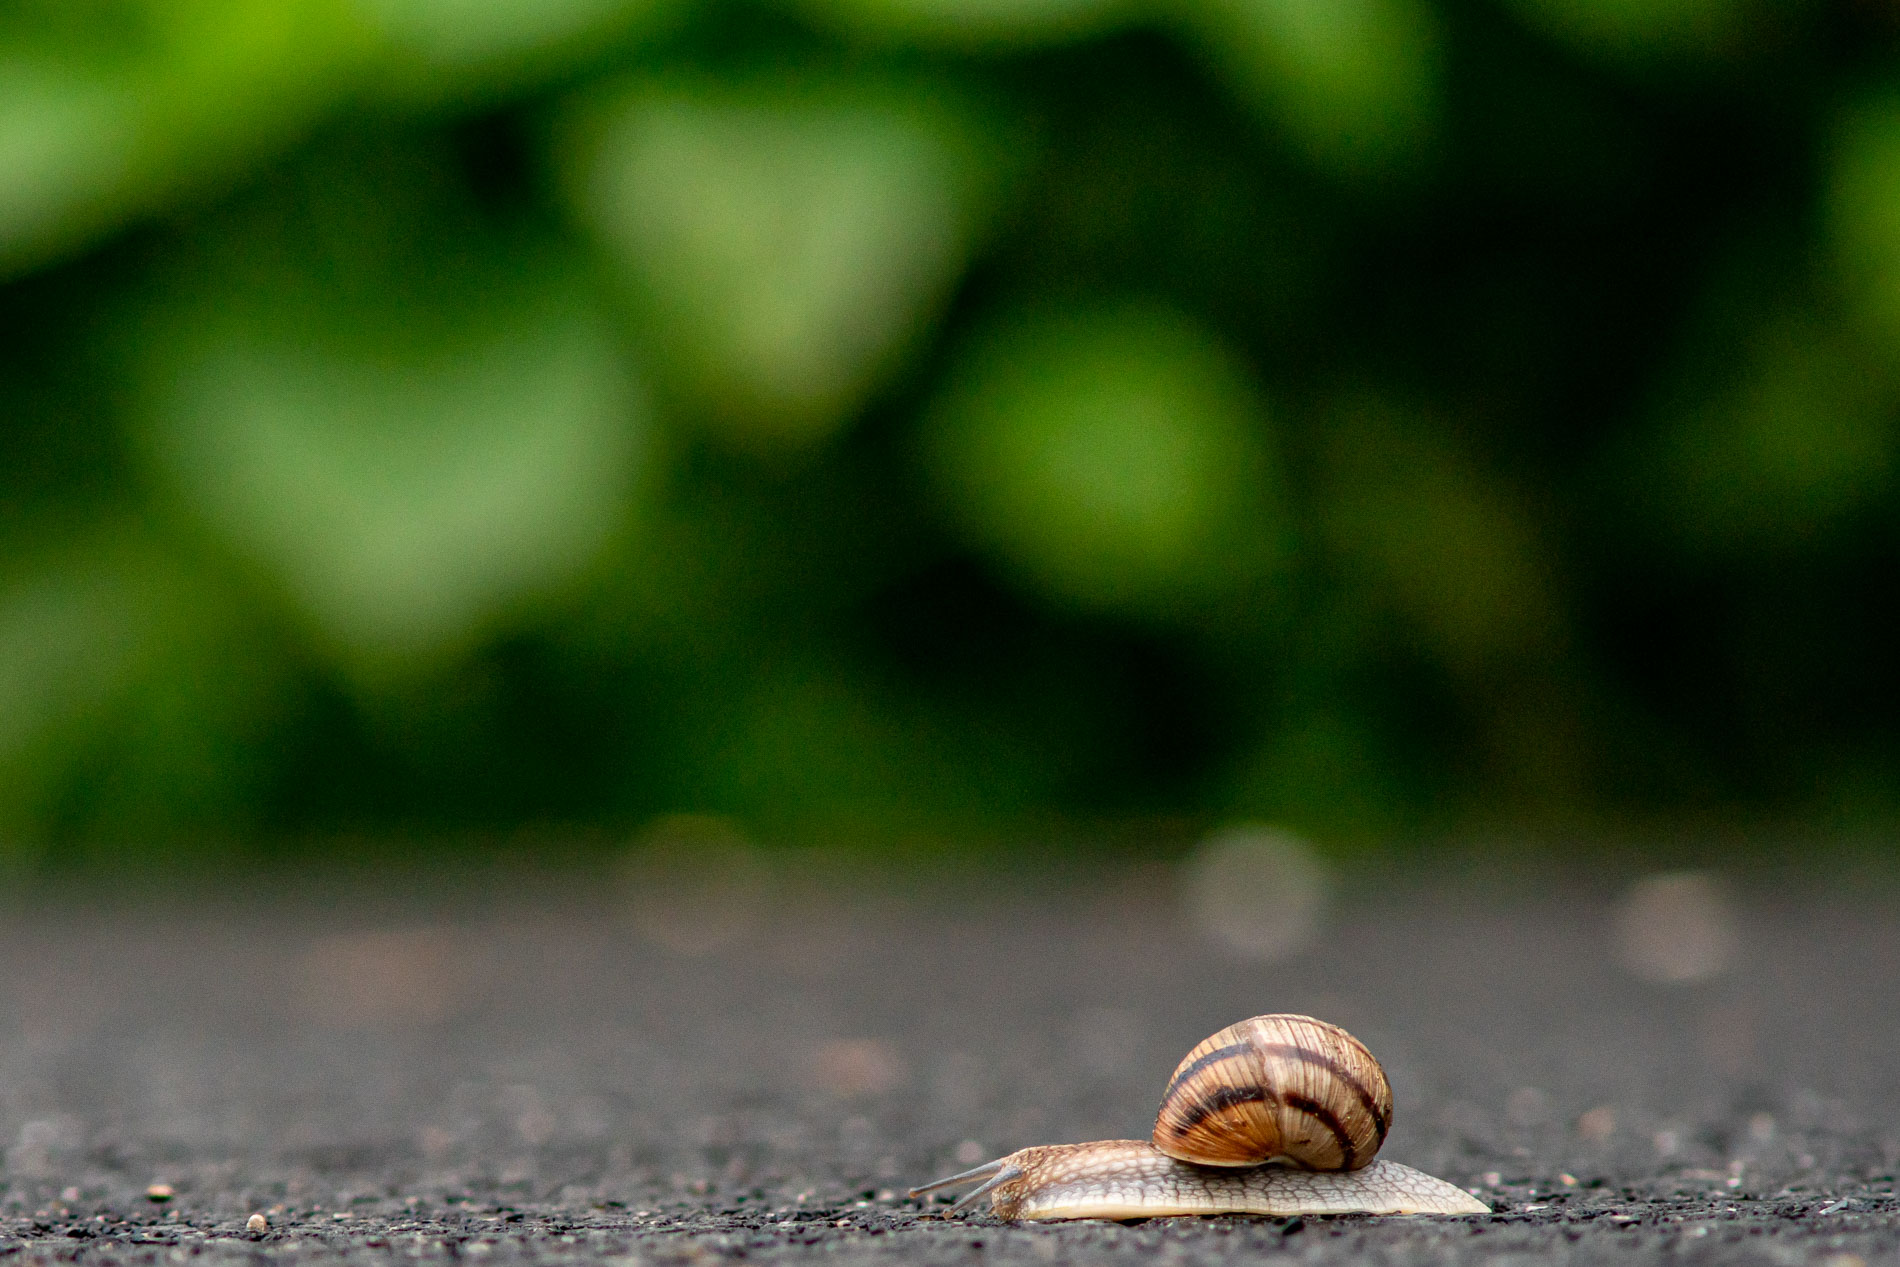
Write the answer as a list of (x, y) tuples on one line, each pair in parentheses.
[(528, 1072)]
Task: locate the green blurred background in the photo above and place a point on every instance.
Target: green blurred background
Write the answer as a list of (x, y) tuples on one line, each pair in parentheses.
[(929, 424)]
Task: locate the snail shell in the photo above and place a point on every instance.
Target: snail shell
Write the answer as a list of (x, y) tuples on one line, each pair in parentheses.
[(1275, 1115), (1276, 1088)]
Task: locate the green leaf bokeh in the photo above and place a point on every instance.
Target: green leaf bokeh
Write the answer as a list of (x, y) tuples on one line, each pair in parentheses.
[(901, 423)]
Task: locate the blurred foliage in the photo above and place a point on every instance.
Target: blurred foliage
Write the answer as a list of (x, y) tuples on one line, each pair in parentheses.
[(891, 421), (1114, 458), (784, 241), (1353, 83), (407, 419)]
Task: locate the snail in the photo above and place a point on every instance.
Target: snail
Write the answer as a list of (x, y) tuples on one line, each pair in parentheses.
[(1277, 1114)]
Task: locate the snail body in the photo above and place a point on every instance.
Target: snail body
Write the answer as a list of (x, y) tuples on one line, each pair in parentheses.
[(1278, 1115), (1132, 1179)]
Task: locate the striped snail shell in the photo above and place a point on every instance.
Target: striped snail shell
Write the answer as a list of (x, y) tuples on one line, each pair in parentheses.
[(1288, 1090), (1279, 1088)]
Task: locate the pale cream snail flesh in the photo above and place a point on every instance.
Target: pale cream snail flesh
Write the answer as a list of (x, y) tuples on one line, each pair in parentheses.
[(1276, 1115)]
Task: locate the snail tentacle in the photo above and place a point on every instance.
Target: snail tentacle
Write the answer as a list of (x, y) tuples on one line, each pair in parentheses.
[(994, 1174), (984, 1171)]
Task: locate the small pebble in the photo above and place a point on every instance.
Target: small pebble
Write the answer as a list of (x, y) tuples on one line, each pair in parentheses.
[(1492, 1178), (69, 1195), (257, 1225), (1568, 1181), (159, 1192)]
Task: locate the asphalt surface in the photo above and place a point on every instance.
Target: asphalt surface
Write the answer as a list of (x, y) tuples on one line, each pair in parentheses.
[(547, 1071)]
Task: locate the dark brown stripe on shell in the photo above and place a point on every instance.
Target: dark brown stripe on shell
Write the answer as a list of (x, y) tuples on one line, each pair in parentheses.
[(1211, 1058), (1228, 1097), (1221, 1098), (1327, 1118), (1303, 1055)]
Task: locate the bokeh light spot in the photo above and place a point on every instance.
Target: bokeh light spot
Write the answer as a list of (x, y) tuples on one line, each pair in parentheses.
[(1598, 1124), (1256, 893), (852, 1067), (1677, 928)]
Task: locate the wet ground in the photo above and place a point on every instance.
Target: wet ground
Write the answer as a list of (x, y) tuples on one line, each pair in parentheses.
[(551, 1071)]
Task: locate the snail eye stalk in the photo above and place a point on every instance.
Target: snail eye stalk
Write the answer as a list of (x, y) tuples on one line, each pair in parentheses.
[(994, 1173)]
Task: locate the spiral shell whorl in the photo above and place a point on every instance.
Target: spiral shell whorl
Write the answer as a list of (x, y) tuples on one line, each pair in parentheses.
[(1276, 1088)]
